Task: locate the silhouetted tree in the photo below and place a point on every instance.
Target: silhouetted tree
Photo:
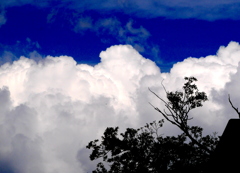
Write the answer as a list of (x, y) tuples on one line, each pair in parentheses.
[(236, 109), (144, 150), (179, 104)]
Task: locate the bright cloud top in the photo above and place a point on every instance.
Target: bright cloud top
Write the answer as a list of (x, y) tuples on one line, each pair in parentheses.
[(51, 108)]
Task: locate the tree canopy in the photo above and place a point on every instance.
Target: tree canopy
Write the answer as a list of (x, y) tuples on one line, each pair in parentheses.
[(144, 150)]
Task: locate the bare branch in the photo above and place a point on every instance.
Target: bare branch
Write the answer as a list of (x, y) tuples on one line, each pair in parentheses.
[(165, 115), (236, 109), (163, 86), (179, 105), (157, 96)]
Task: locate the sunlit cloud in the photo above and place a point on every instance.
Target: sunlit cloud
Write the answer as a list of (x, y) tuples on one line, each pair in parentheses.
[(51, 107)]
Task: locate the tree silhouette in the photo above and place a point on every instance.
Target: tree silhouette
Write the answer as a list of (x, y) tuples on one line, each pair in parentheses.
[(144, 150), (236, 109), (179, 104)]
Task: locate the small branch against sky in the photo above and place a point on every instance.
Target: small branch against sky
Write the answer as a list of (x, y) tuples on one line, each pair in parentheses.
[(179, 104), (236, 109), (145, 150)]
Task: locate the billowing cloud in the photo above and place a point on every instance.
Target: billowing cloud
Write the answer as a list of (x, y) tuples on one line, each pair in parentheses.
[(207, 10), (51, 107)]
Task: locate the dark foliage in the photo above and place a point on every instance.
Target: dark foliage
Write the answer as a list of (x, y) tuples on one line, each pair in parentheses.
[(179, 104), (144, 150)]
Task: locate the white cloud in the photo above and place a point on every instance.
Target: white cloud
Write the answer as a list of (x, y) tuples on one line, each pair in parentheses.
[(112, 28), (51, 108), (60, 106)]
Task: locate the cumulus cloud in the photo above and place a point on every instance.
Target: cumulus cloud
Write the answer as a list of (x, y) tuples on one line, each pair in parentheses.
[(215, 72), (52, 107)]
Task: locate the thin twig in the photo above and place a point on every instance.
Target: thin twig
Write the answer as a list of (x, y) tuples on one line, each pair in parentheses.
[(236, 109)]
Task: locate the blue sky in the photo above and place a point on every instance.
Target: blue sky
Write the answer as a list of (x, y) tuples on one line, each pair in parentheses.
[(69, 69), (184, 29)]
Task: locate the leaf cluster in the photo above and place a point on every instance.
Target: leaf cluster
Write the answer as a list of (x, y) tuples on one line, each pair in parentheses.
[(144, 150), (179, 104)]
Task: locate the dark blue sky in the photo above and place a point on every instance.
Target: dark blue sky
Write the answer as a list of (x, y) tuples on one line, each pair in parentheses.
[(55, 29)]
